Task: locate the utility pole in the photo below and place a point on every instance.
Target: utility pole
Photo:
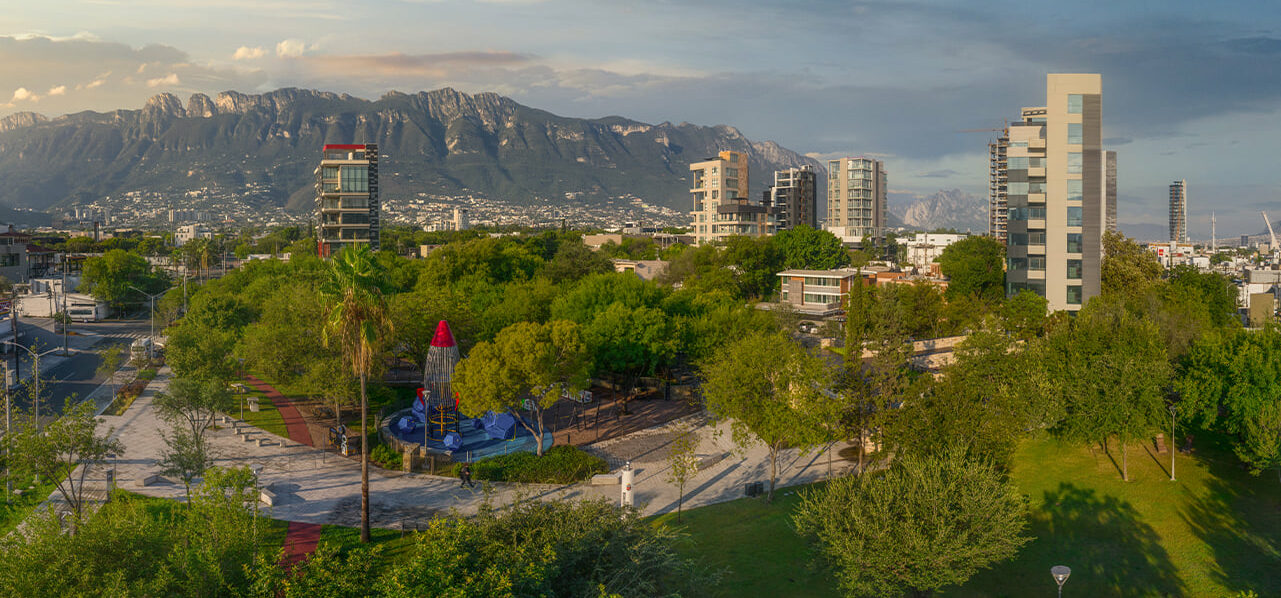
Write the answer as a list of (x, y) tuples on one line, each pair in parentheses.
[(8, 421), (13, 319), (66, 317)]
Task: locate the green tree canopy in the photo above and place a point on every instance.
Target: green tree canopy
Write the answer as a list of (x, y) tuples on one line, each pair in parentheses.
[(1128, 269), (109, 278), (810, 249), (929, 522), (974, 266)]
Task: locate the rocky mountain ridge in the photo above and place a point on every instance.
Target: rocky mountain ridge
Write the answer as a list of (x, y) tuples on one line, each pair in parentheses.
[(441, 142)]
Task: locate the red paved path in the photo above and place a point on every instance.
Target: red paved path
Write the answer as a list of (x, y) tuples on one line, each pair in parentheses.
[(300, 541), (294, 422), (302, 538)]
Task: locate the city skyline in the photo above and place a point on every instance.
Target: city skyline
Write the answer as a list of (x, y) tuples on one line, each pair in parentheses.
[(1194, 89)]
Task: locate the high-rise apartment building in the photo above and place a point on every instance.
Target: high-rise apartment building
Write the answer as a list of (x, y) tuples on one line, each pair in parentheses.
[(793, 197), (722, 207), (347, 197), (1059, 196), (997, 205), (1179, 211), (856, 199)]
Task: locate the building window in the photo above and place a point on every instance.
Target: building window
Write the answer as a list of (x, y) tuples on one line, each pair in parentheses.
[(1074, 243), (8, 259), (1036, 238), (1016, 189), (355, 179), (1074, 163), (1017, 263), (1036, 263), (1074, 190), (1074, 269), (1074, 216), (1074, 103), (1074, 295), (1017, 163), (330, 173), (1074, 133)]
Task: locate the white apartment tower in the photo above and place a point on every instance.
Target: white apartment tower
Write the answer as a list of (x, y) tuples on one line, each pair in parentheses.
[(1179, 211), (1060, 193)]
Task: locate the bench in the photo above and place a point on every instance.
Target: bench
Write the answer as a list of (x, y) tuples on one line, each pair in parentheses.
[(266, 442), (606, 479), (248, 438), (150, 480), (706, 462), (267, 497), (253, 404)]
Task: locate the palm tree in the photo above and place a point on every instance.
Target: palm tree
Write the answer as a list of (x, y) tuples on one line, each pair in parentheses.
[(357, 318)]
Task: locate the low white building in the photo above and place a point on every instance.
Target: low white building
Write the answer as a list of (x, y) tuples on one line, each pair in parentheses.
[(924, 248), (46, 298), (189, 233)]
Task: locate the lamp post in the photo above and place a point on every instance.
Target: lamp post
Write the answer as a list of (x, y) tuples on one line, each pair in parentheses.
[(1173, 445), (35, 375), (8, 402), (1060, 574), (151, 348)]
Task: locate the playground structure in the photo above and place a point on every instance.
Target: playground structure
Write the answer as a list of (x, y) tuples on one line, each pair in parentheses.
[(436, 406)]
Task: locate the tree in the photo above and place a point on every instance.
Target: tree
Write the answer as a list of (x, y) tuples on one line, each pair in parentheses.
[(630, 342), (810, 249), (1231, 381), (193, 404), (769, 388), (974, 266), (1128, 269), (929, 522), (109, 278), (682, 463), (526, 365), (357, 322), (574, 260), (1023, 315), (64, 450), (755, 262), (1113, 375), (186, 456), (109, 364), (415, 317)]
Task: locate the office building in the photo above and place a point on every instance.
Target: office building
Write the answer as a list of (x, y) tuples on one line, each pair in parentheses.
[(347, 197), (856, 200), (794, 198), (1058, 194), (722, 207), (1179, 211), (189, 233)]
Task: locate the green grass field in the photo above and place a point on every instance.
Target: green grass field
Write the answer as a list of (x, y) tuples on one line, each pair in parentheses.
[(266, 418), (1214, 532), (18, 508), (394, 545)]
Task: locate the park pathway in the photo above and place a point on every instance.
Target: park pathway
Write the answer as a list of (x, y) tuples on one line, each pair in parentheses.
[(302, 538)]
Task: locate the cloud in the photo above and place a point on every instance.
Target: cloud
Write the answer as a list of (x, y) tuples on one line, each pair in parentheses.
[(937, 174), (170, 79), (23, 94), (57, 90), (291, 48), (95, 83), (247, 53)]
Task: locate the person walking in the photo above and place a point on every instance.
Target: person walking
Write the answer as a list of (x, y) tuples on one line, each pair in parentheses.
[(464, 476)]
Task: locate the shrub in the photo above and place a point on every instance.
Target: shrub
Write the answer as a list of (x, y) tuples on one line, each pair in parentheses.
[(385, 458), (558, 465)]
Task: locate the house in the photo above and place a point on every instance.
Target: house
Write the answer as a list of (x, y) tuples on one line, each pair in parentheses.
[(645, 269)]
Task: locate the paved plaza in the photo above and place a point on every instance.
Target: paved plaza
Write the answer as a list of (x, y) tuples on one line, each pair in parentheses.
[(312, 486)]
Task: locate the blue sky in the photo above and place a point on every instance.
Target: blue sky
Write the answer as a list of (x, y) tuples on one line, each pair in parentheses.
[(1191, 89)]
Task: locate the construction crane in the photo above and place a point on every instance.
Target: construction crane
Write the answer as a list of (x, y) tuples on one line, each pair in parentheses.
[(1272, 237)]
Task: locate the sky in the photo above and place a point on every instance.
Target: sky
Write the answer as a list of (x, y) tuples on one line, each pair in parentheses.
[(1191, 89)]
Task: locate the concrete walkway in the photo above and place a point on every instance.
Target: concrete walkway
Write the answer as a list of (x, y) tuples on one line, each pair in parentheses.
[(311, 486), (301, 539)]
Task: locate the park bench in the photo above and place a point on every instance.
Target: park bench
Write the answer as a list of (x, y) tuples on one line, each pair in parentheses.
[(267, 497), (605, 479), (150, 480)]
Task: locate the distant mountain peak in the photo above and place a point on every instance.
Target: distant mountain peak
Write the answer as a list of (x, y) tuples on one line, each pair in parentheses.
[(945, 208)]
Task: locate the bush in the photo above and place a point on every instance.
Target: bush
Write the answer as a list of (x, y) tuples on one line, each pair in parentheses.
[(558, 465), (384, 457)]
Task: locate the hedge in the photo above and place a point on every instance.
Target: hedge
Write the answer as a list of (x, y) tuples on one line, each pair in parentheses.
[(558, 465)]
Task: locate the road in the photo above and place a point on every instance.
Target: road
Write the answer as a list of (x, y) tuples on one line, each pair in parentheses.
[(74, 376)]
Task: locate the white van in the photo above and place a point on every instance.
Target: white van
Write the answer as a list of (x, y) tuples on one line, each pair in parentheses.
[(140, 348)]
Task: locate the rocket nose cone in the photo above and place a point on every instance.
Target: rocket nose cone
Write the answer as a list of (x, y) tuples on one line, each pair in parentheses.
[(443, 338)]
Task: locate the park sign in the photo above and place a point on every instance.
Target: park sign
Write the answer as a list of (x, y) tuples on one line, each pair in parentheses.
[(6, 305)]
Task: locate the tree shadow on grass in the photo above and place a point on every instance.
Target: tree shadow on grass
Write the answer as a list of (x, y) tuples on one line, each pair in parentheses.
[(1111, 551), (1239, 518)]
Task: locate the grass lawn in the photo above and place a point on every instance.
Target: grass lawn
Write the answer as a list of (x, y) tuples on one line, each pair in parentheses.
[(20, 507), (394, 546), (756, 547), (1214, 532), (266, 418)]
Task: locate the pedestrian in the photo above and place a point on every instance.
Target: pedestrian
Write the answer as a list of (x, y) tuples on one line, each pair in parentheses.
[(464, 475)]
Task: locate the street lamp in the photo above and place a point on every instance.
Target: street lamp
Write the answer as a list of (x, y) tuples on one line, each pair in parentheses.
[(151, 349), (35, 375), (1173, 445), (1060, 574)]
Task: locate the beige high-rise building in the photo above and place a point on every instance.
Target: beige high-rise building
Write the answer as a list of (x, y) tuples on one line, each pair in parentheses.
[(997, 204), (856, 199), (1179, 211), (722, 207), (1060, 190), (347, 197)]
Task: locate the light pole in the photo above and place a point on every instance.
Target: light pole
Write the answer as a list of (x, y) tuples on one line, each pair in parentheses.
[(151, 348), (35, 375), (66, 317), (1060, 574), (8, 407), (1173, 445)]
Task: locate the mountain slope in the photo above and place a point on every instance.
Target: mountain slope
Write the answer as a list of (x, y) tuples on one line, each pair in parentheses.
[(441, 142), (947, 208)]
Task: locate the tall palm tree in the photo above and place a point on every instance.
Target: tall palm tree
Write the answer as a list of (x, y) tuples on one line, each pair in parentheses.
[(358, 317)]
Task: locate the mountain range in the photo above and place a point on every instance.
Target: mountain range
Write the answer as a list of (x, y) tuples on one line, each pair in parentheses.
[(440, 142), (946, 208)]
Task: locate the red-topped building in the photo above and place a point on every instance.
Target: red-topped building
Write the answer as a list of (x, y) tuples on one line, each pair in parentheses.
[(347, 197)]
